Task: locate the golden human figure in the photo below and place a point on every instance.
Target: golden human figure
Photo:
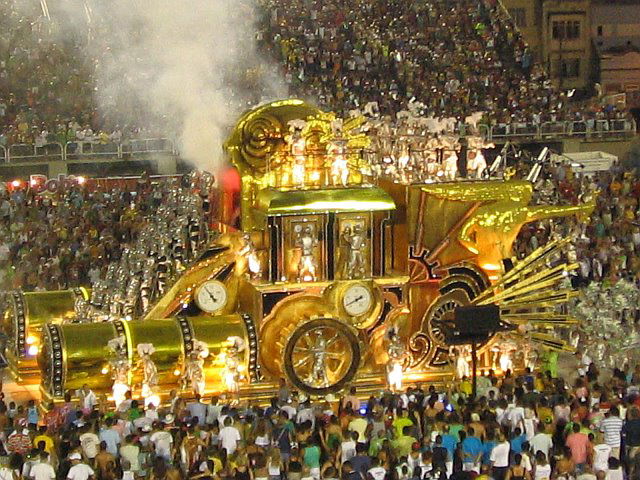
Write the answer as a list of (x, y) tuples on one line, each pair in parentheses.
[(232, 374)]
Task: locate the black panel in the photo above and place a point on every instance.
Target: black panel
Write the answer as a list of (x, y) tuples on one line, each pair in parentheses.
[(331, 253), (225, 272), (275, 242), (270, 300)]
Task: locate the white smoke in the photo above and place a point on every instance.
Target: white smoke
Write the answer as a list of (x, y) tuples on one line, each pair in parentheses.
[(182, 63)]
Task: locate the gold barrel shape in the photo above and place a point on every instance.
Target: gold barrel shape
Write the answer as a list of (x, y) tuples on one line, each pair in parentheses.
[(77, 354), (24, 316)]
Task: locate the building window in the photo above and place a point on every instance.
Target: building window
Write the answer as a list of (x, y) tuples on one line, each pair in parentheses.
[(573, 29), (565, 30), (570, 68), (599, 30), (519, 16)]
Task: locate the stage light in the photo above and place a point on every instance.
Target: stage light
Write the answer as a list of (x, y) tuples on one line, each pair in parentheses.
[(177, 372), (104, 370), (33, 182), (16, 183), (81, 180), (31, 339), (33, 350)]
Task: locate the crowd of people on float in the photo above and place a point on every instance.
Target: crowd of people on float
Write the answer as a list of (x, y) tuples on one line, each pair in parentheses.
[(452, 58), (531, 426)]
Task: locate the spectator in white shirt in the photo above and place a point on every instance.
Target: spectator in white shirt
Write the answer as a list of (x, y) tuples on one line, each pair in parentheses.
[(79, 470), (43, 470), (229, 437)]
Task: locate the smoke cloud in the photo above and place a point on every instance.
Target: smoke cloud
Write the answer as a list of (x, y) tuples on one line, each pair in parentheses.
[(178, 64)]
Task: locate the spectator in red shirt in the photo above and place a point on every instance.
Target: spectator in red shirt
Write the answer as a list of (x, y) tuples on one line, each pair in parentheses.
[(578, 443), (19, 442)]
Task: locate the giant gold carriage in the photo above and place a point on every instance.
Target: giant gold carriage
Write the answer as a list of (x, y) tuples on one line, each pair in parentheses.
[(339, 274)]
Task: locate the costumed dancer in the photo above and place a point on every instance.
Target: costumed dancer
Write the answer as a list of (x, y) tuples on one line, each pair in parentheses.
[(120, 368), (298, 149), (193, 375), (397, 354), (232, 374), (249, 252), (149, 369), (337, 151)]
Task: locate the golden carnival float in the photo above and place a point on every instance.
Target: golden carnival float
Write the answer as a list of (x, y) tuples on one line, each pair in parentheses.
[(340, 274)]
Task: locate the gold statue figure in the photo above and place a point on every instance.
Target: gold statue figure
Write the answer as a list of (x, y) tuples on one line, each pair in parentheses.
[(355, 265), (307, 242)]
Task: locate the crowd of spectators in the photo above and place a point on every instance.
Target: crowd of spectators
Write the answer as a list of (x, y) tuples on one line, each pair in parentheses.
[(607, 245), (66, 239), (452, 58), (531, 426), (47, 88)]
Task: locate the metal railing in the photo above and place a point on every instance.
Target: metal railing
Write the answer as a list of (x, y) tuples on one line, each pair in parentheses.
[(27, 152), (74, 150), (148, 145), (544, 131)]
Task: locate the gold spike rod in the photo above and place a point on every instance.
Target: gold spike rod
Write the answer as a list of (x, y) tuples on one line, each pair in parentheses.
[(545, 300), (551, 342), (537, 281), (538, 318), (522, 268)]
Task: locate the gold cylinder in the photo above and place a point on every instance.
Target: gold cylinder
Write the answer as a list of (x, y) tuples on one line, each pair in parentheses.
[(24, 316), (76, 354)]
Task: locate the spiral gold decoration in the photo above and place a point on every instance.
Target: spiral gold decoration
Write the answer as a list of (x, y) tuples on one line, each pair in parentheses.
[(260, 133)]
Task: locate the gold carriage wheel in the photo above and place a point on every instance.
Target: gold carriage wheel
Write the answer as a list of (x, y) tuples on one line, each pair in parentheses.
[(322, 356)]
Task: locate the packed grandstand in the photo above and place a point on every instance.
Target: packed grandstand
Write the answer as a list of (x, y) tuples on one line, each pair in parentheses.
[(453, 59)]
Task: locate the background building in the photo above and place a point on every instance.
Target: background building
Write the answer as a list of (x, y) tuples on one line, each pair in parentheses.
[(558, 32)]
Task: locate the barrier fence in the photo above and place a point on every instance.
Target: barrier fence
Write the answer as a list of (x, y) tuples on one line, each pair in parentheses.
[(77, 150), (83, 150)]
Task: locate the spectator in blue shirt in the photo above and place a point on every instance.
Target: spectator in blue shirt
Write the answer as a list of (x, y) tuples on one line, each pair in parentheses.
[(450, 442), (518, 439), (487, 446), (472, 451)]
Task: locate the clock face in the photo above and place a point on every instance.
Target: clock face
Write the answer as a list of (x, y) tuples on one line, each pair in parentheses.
[(211, 296), (357, 300)]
